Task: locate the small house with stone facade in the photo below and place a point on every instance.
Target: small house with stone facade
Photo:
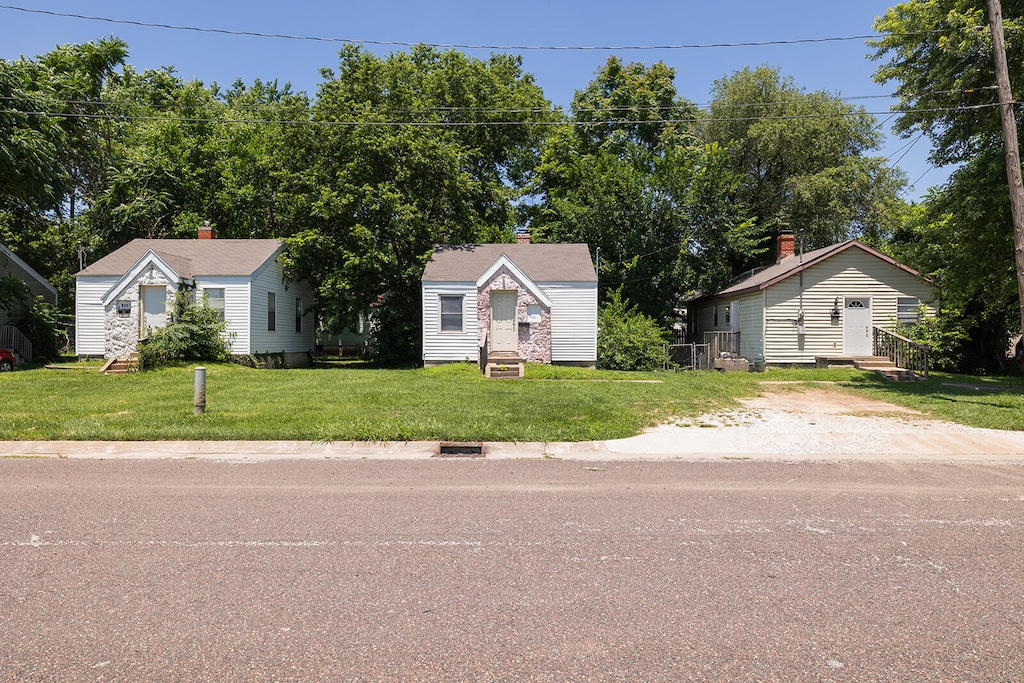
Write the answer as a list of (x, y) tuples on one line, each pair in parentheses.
[(828, 305), (127, 293), (506, 304)]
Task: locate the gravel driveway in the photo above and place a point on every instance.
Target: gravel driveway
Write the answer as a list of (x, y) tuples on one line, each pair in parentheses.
[(792, 423)]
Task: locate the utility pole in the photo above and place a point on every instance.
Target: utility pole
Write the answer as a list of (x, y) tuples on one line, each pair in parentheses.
[(1009, 117)]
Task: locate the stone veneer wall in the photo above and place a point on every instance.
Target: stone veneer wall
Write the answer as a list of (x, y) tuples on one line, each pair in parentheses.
[(535, 338), (122, 333)]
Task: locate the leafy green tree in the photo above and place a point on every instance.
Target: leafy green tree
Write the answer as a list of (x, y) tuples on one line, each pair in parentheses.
[(626, 338), (377, 182), (53, 164), (803, 161), (651, 196), (939, 55)]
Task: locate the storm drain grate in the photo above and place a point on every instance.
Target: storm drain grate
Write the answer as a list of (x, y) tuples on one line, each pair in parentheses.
[(460, 450)]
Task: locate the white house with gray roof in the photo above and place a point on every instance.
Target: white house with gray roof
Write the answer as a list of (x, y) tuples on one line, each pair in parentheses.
[(520, 302), (821, 304), (122, 296)]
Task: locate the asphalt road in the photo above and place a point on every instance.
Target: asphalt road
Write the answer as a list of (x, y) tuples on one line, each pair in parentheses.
[(510, 570)]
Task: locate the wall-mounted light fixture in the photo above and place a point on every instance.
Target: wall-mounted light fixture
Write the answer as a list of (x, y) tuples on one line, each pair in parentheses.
[(835, 310)]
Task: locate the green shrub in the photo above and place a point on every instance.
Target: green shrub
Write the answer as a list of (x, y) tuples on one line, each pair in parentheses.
[(40, 321), (946, 337), (193, 332), (627, 339)]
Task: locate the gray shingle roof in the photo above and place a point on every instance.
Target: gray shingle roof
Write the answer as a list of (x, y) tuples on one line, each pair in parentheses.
[(540, 262), (794, 264), (190, 257)]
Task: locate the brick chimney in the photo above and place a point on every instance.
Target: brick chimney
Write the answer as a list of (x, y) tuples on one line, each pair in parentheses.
[(786, 245), (206, 231), (522, 238)]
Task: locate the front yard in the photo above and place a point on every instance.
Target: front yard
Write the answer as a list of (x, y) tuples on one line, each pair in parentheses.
[(454, 402)]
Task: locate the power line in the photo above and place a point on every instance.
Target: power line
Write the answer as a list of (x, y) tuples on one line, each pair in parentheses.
[(443, 124), (483, 110), (460, 46)]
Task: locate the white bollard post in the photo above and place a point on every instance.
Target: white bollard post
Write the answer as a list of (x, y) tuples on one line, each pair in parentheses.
[(199, 397)]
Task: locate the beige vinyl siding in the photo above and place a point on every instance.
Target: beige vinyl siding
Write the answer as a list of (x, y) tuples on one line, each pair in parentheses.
[(11, 268), (90, 317), (35, 287), (851, 273), (573, 321), (751, 324), (449, 347), (236, 308), (270, 278), (751, 327)]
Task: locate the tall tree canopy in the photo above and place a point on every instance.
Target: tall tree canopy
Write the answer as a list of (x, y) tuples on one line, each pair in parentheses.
[(650, 195), (379, 181), (939, 54), (54, 151), (803, 160)]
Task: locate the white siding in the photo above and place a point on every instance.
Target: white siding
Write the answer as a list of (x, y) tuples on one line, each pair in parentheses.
[(270, 278), (90, 317), (449, 347), (236, 307), (851, 273), (573, 321), (751, 326)]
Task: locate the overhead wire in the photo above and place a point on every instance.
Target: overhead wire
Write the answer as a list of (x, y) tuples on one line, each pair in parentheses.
[(491, 110), (460, 46), (455, 124)]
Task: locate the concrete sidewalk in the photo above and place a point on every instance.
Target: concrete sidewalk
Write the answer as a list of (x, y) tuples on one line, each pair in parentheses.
[(771, 435)]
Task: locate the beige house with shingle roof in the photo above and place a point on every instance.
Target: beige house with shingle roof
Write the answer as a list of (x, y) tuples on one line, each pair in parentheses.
[(824, 303), (520, 302), (130, 291)]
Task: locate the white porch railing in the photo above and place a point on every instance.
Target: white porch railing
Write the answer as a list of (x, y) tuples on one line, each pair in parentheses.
[(12, 338)]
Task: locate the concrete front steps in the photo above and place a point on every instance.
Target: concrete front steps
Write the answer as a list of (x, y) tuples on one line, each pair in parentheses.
[(880, 365), (501, 366)]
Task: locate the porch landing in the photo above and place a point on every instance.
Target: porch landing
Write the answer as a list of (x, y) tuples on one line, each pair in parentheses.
[(880, 365)]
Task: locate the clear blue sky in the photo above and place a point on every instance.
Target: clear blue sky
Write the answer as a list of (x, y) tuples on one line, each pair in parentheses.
[(840, 68)]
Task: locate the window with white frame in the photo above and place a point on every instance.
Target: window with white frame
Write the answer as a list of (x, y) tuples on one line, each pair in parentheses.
[(908, 310), (215, 300), (451, 313)]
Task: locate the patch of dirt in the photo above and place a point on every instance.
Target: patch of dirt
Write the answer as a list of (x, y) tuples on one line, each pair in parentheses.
[(824, 402)]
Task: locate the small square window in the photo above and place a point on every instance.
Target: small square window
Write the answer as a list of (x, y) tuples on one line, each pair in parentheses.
[(215, 300), (451, 313), (533, 313), (908, 311)]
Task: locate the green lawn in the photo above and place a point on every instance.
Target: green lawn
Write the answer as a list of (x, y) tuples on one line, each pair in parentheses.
[(352, 402)]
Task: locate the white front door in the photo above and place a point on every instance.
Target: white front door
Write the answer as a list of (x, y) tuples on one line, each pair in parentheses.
[(857, 326), (154, 308), (504, 335)]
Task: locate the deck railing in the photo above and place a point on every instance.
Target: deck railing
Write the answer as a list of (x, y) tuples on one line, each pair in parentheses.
[(721, 342), (905, 353), (12, 338)]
